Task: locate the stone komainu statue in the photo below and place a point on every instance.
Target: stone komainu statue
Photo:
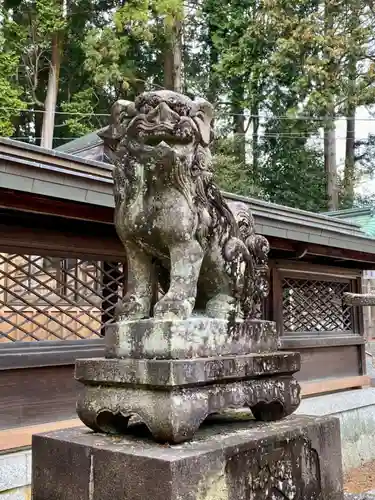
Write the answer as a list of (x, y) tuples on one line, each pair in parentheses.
[(177, 228), (175, 357)]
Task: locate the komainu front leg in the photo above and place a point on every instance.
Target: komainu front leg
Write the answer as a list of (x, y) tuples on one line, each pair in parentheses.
[(136, 304), (186, 261)]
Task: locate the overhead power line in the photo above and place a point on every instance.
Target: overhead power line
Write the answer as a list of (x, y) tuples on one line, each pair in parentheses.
[(265, 117), (69, 113), (260, 136)]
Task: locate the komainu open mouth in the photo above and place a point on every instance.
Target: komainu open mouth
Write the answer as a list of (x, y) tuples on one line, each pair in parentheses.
[(168, 139), (152, 136)]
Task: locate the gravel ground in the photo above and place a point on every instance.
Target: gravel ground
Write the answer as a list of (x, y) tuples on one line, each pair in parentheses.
[(360, 480), (360, 496)]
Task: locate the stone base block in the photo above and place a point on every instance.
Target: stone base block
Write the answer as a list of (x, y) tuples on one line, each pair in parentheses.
[(195, 337), (174, 397), (162, 374), (298, 458)]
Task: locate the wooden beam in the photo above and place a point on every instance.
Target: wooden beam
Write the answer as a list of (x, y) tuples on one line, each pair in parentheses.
[(292, 266), (20, 437), (341, 253), (28, 202), (332, 385), (314, 250), (58, 236)]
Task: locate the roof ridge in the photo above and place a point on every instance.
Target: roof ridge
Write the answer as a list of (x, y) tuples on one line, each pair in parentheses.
[(349, 211)]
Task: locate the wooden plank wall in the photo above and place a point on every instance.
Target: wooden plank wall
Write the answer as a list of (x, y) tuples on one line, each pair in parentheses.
[(31, 396)]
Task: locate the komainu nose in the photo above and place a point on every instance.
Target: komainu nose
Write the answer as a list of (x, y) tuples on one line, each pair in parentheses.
[(163, 113)]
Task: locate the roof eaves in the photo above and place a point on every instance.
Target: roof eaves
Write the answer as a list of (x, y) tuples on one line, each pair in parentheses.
[(10, 146), (297, 216), (81, 143)]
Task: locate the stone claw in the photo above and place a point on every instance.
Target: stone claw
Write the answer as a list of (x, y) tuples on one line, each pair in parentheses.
[(168, 308), (133, 307), (220, 306)]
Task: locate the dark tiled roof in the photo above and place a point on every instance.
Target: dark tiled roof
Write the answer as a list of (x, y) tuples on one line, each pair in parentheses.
[(363, 217), (81, 143)]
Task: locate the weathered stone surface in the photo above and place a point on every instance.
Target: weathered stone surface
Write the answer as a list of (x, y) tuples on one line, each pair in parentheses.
[(190, 338), (356, 411), (15, 472), (174, 396), (359, 299), (174, 415), (172, 218), (184, 372), (297, 459)]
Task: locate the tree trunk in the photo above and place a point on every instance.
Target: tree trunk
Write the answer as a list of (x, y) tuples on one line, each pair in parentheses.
[(255, 142), (349, 171), (238, 121), (213, 80), (239, 133), (38, 122), (51, 97), (330, 165), (173, 59)]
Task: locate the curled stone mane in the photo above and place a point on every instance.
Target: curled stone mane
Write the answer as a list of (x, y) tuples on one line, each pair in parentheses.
[(208, 198)]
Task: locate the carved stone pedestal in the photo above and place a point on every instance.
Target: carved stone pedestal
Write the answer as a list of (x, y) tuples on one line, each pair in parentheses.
[(171, 379), (162, 394), (298, 458)]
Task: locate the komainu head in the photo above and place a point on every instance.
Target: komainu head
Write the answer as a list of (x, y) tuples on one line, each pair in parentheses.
[(160, 120)]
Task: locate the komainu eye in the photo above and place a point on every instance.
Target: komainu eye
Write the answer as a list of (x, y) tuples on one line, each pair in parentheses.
[(180, 109), (146, 108)]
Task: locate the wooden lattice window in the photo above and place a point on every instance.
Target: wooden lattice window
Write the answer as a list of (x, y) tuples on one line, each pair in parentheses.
[(44, 298), (313, 305)]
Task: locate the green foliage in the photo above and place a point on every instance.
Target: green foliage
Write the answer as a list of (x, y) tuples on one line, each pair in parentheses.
[(10, 92), (296, 181), (81, 114), (364, 201), (105, 53), (264, 63), (230, 175), (292, 59), (262, 72), (28, 29), (136, 33), (48, 20), (365, 155)]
